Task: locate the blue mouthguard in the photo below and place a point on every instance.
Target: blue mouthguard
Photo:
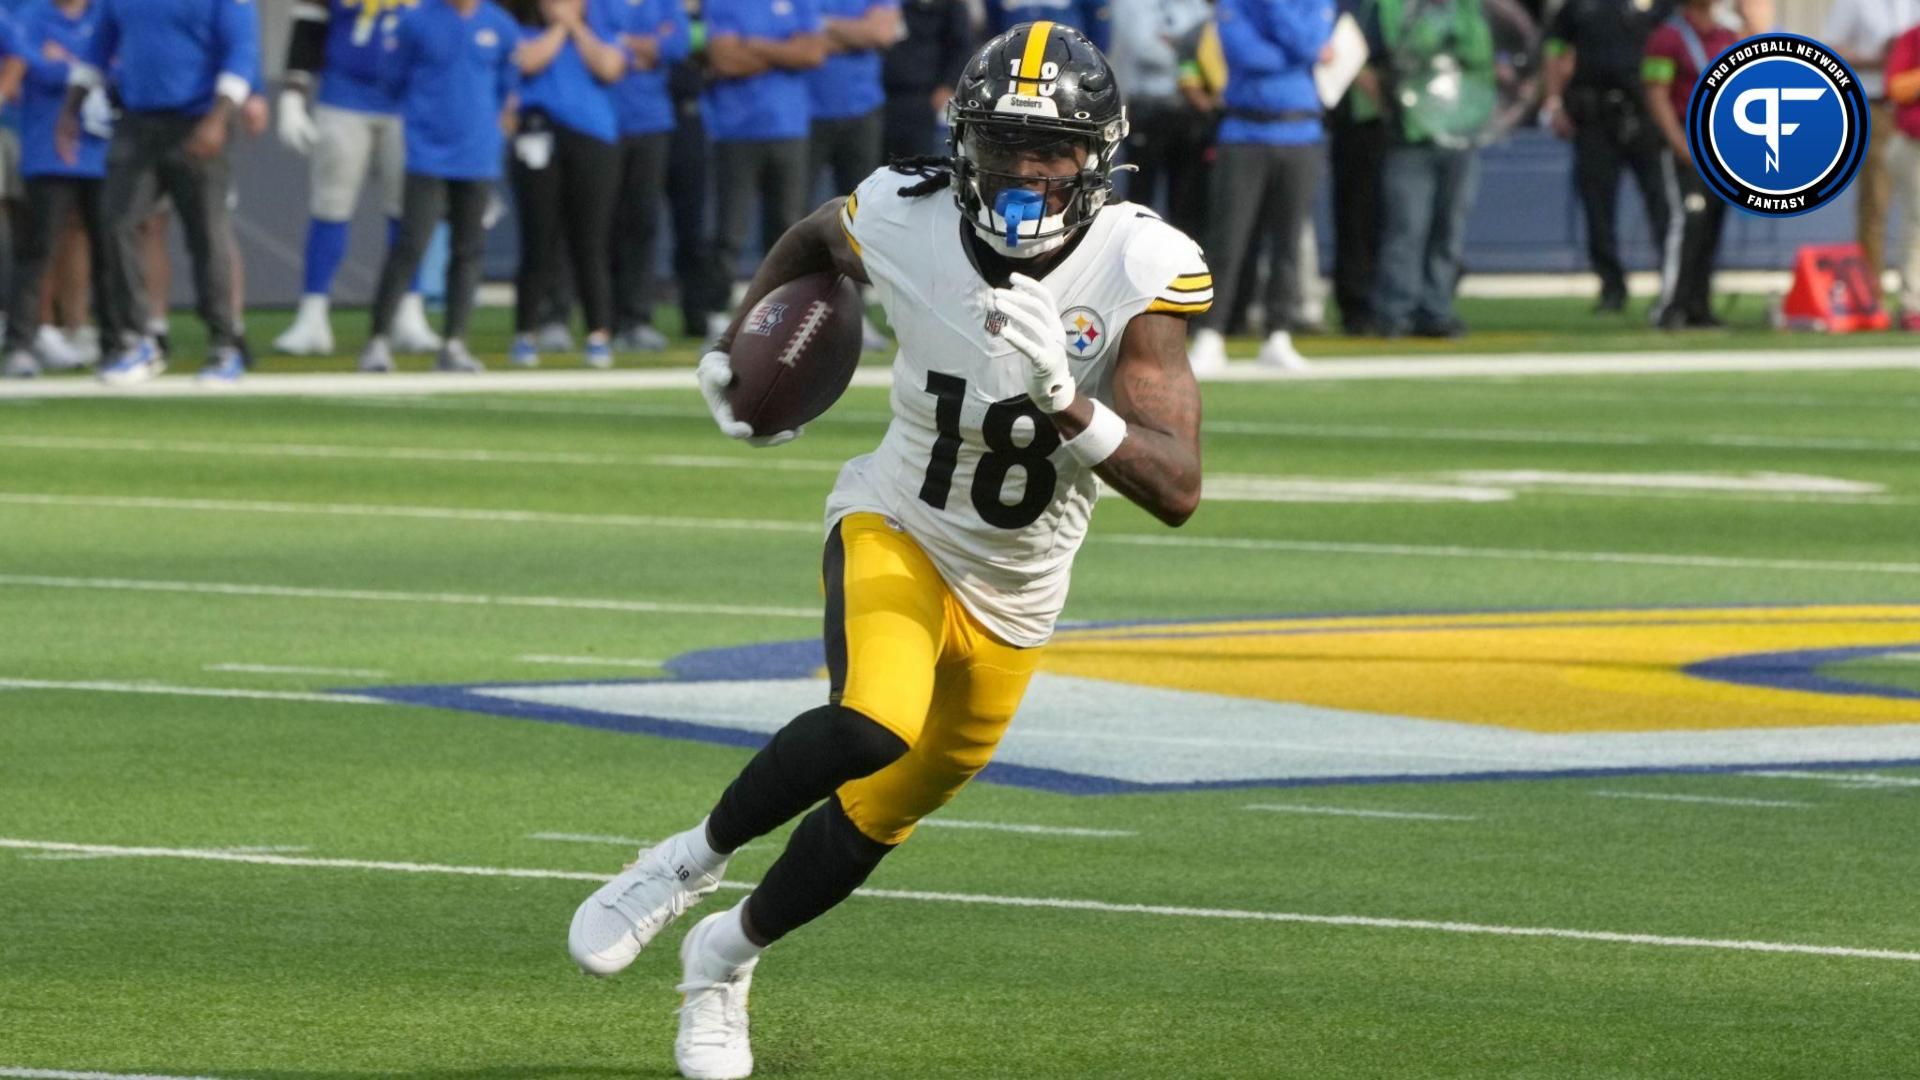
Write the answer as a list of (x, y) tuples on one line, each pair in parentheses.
[(1017, 206)]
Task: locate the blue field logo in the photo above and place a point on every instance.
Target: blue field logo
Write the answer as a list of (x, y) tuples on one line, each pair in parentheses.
[(1778, 125)]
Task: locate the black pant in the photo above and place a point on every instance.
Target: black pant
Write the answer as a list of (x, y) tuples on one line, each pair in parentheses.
[(908, 124), (1169, 145), (702, 290), (636, 223), (573, 191), (850, 147), (429, 200), (149, 156), (1693, 242), (50, 201), (1599, 155), (1359, 152), (774, 171), (1260, 189)]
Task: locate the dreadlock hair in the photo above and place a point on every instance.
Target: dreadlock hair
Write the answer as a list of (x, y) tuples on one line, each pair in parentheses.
[(935, 173)]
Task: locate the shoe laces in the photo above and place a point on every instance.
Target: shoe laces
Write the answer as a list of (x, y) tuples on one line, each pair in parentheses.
[(716, 1010)]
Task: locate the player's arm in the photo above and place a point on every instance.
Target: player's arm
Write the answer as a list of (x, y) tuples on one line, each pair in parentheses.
[(1157, 464), (818, 243), (306, 56)]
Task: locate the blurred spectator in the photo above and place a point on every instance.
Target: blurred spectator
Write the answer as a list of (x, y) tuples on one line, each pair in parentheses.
[(1433, 64), (1268, 164), (1861, 31), (352, 126), (1903, 162), (919, 71), (758, 112), (703, 290), (1358, 151), (452, 66), (182, 68), (48, 36), (846, 92), (1678, 51), (12, 76), (655, 37), (1170, 136), (1090, 17), (1595, 98), (566, 165)]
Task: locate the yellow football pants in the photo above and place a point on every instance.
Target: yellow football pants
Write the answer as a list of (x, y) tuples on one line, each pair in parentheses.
[(905, 653)]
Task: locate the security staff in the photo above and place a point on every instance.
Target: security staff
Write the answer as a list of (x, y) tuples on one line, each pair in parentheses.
[(655, 37), (183, 69), (759, 115), (1595, 98), (918, 73)]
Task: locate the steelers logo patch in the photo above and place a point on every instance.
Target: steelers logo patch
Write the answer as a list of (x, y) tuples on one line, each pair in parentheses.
[(1086, 332)]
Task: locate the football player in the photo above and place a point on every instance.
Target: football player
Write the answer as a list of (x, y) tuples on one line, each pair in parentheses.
[(1042, 351), (353, 124)]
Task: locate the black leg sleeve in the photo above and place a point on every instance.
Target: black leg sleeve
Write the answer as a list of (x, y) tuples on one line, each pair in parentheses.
[(810, 757), (826, 859)]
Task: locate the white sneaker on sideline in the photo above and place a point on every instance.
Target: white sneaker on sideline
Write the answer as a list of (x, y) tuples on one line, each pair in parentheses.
[(717, 324), (411, 331), (377, 357), (311, 333), (1278, 352), (20, 364), (553, 338), (1207, 353), (55, 351), (623, 916), (712, 1043)]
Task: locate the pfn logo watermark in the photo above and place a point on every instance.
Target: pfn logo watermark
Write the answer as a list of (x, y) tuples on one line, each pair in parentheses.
[(1778, 125)]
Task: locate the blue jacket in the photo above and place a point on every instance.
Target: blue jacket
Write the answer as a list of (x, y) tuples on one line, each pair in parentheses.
[(643, 99), (566, 90), (773, 104), (1090, 17), (848, 84), (1271, 47), (453, 75), (45, 92), (178, 53), (352, 77)]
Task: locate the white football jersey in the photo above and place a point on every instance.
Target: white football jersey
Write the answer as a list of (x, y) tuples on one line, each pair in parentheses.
[(970, 467)]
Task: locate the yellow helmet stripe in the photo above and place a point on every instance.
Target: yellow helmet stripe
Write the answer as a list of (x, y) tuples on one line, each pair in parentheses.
[(1030, 59)]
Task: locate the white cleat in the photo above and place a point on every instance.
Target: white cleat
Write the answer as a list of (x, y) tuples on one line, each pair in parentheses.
[(57, 352), (712, 1044), (621, 918), (1278, 352), (20, 364), (311, 333), (1207, 353), (377, 357), (554, 338), (411, 331)]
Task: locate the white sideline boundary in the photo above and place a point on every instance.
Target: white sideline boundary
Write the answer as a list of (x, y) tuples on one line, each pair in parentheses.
[(68, 1074), (1047, 903), (1469, 366)]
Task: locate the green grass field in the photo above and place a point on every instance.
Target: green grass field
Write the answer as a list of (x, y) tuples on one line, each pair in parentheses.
[(211, 864)]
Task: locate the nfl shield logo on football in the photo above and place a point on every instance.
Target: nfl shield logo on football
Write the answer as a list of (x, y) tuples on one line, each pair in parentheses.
[(763, 318), (996, 322), (1086, 332)]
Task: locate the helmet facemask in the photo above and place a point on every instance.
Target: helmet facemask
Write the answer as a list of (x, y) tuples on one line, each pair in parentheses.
[(1027, 188)]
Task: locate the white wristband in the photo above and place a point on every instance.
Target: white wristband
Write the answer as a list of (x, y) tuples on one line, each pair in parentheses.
[(234, 88), (1102, 436)]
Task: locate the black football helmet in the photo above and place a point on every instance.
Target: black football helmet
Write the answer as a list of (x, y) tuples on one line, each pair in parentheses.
[(1040, 89)]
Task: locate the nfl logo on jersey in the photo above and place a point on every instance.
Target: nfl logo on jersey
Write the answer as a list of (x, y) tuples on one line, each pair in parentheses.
[(763, 318), (996, 322)]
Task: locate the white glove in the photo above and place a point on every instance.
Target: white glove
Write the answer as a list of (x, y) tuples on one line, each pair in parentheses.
[(297, 128), (716, 374), (1033, 326)]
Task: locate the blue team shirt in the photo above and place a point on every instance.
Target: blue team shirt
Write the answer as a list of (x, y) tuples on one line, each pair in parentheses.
[(771, 105), (643, 99), (453, 74), (1271, 47), (45, 92), (175, 51), (9, 46), (1090, 17), (566, 90), (848, 84), (353, 77)]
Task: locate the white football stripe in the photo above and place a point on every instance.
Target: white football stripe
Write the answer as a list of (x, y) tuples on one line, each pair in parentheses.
[(1710, 800), (461, 456), (68, 1074), (1344, 811), (1845, 779), (591, 661), (1051, 903), (296, 669), (1036, 830), (111, 687)]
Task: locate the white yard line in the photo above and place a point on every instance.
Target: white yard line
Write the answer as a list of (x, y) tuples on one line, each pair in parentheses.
[(592, 661), (1710, 800), (590, 838), (1397, 433), (79, 856), (451, 455), (536, 517), (70, 1075), (295, 592), (108, 687), (296, 669), (1050, 903), (1344, 811), (1036, 830), (1840, 779)]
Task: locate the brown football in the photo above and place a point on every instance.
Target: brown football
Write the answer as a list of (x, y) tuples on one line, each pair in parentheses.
[(795, 353)]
